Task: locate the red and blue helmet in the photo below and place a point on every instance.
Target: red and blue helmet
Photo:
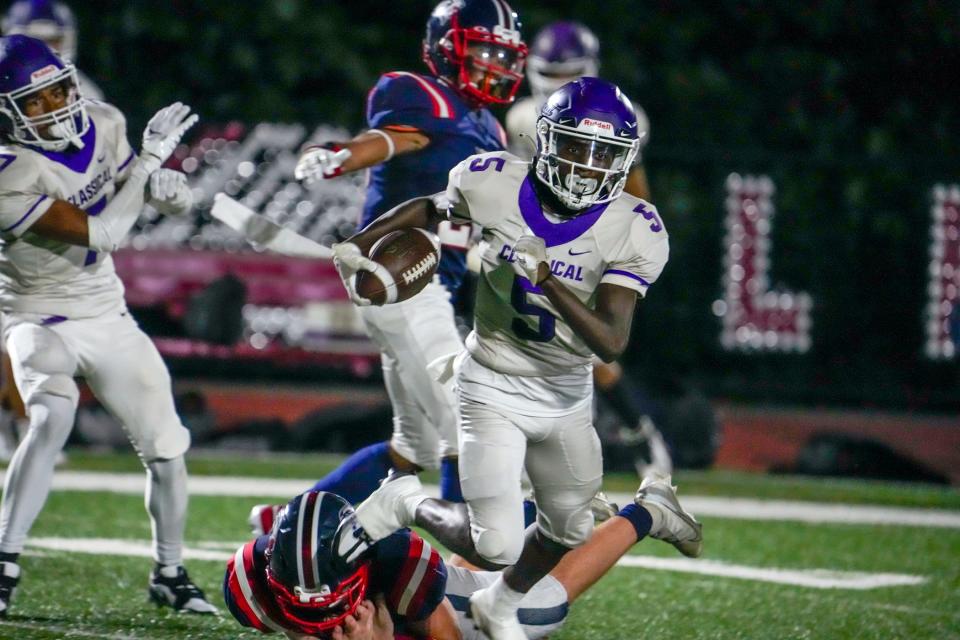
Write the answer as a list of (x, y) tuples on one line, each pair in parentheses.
[(27, 67), (46, 20), (316, 566), (587, 140), (475, 45), (561, 51)]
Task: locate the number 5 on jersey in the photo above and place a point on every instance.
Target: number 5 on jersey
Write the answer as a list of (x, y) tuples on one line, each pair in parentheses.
[(547, 324)]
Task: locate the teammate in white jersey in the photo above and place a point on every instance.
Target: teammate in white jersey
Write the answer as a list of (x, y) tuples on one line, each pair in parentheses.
[(71, 188), (54, 23), (567, 253)]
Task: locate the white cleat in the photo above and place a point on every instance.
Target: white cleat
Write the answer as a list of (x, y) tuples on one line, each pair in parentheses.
[(677, 527), (392, 506), (493, 626), (602, 508)]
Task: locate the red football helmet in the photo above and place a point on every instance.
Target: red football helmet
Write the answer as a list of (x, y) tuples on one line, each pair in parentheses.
[(476, 46)]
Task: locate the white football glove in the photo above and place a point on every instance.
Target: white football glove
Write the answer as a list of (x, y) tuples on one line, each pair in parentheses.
[(348, 259), (321, 162), (163, 134), (169, 193), (529, 252)]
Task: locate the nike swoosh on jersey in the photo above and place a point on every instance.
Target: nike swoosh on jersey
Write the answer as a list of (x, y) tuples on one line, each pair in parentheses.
[(577, 253)]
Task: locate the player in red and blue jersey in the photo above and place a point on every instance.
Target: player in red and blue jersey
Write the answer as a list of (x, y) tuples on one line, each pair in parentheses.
[(310, 574), (420, 127)]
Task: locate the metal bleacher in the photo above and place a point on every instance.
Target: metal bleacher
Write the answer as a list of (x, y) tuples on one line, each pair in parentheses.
[(296, 311)]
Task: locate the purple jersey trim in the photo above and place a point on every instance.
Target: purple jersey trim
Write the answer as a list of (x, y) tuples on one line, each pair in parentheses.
[(53, 320), (26, 215), (133, 154), (75, 160), (552, 233), (619, 272)]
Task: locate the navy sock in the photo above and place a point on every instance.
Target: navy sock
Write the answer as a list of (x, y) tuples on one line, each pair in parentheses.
[(529, 513), (639, 518), (450, 480), (359, 475)]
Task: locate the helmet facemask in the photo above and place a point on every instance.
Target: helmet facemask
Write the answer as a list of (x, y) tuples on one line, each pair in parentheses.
[(583, 165), (57, 129), (319, 610), (490, 65)]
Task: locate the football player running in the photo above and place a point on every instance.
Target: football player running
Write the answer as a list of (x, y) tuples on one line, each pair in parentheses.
[(71, 188), (561, 52), (567, 254), (316, 572), (420, 127)]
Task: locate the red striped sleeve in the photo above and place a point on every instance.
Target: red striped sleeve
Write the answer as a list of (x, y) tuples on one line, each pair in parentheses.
[(442, 108), (426, 583), (414, 550)]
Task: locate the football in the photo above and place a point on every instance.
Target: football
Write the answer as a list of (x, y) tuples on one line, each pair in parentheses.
[(409, 257)]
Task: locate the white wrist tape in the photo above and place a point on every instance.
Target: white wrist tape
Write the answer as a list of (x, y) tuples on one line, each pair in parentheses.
[(391, 147), (106, 231)]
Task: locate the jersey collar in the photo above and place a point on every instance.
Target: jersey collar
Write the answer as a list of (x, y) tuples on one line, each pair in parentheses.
[(554, 233), (76, 160)]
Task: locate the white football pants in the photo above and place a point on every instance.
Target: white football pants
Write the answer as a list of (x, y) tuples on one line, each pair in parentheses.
[(418, 340), (562, 458)]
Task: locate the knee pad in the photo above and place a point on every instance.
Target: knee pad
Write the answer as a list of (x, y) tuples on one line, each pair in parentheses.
[(42, 363), (494, 547)]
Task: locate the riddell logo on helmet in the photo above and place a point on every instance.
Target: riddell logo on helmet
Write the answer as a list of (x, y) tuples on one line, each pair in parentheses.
[(40, 74), (597, 124)]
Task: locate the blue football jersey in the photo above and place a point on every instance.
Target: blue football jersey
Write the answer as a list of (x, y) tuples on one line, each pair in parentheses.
[(456, 130)]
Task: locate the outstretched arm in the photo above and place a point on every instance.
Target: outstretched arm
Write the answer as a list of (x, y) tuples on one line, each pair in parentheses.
[(365, 150)]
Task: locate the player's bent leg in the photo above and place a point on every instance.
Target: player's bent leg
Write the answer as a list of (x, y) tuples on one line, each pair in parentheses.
[(670, 521)]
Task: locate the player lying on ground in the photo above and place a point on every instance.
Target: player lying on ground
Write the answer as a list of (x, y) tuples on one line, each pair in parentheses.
[(310, 573)]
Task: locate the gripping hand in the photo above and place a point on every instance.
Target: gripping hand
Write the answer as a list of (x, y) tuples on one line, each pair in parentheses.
[(169, 192), (529, 253), (163, 134), (321, 162), (348, 259)]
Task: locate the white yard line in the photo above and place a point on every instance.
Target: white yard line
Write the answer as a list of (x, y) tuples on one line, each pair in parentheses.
[(811, 578), (707, 506), (66, 632)]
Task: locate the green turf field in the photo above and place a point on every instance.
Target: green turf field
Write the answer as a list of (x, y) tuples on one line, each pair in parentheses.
[(65, 594)]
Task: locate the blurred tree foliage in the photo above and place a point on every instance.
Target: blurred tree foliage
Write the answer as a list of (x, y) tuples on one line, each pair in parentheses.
[(845, 104)]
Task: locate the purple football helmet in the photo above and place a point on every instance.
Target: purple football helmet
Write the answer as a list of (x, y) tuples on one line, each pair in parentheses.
[(562, 51), (46, 20), (27, 68), (476, 46), (587, 139)]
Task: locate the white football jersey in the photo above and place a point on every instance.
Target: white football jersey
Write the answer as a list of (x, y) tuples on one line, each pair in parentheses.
[(38, 275), (517, 330), (522, 127)]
